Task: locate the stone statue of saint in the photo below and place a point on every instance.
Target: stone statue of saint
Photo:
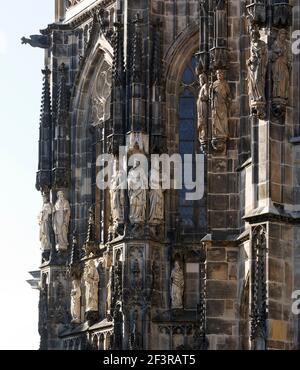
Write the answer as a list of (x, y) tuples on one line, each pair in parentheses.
[(156, 214), (117, 197), (91, 279), (75, 302), (202, 107), (220, 92), (281, 58), (137, 191), (257, 68), (61, 221), (45, 224), (177, 286)]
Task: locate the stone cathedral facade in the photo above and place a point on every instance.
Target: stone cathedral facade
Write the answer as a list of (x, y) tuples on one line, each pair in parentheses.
[(136, 267)]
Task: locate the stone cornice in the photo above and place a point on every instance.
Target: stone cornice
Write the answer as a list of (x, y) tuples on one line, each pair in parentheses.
[(266, 214), (77, 20)]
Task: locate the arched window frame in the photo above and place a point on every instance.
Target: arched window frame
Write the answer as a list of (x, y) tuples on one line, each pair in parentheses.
[(193, 214)]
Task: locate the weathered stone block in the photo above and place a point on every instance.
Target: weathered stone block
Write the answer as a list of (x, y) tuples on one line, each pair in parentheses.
[(217, 271), (278, 330), (215, 307), (219, 326), (216, 254), (275, 291), (221, 289), (276, 270), (275, 310)]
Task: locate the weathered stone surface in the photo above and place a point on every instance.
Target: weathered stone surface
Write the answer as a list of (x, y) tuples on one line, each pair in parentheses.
[(278, 330), (215, 308), (219, 326), (216, 254), (217, 271), (221, 289), (139, 83)]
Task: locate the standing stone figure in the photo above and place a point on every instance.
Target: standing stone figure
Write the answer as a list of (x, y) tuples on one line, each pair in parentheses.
[(75, 301), (257, 68), (117, 198), (91, 279), (45, 224), (156, 215), (220, 106), (281, 58), (137, 185), (177, 286), (202, 107), (61, 221)]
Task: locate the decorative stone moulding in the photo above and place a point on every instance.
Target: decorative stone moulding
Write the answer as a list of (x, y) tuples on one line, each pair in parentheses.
[(257, 13), (282, 14), (43, 180), (279, 107), (219, 144), (258, 109), (60, 178), (115, 141), (203, 61), (219, 57), (71, 3), (137, 142)]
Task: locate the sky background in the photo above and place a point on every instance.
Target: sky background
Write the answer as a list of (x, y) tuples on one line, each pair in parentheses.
[(20, 203)]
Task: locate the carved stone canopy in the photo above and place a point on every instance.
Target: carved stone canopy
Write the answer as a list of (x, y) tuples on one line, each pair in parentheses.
[(257, 12), (71, 3)]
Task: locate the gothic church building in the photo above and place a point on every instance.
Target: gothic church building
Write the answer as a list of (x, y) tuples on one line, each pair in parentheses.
[(131, 267)]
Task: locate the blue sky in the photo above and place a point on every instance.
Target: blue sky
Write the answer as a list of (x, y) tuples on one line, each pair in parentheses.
[(20, 96)]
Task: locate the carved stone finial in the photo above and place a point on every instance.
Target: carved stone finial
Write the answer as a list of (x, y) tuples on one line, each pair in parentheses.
[(90, 246), (61, 151), (43, 178)]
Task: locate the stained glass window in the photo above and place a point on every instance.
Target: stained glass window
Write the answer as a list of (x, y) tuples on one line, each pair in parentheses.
[(192, 213)]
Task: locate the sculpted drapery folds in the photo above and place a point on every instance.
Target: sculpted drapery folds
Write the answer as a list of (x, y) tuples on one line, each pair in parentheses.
[(281, 59), (61, 221), (202, 107), (137, 191), (156, 214), (257, 68), (45, 224), (117, 197), (177, 286), (75, 301), (91, 279), (220, 99)]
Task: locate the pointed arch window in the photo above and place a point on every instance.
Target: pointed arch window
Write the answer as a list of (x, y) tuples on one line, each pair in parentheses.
[(192, 213)]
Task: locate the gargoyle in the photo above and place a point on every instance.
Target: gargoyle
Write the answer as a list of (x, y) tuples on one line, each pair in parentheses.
[(37, 41)]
